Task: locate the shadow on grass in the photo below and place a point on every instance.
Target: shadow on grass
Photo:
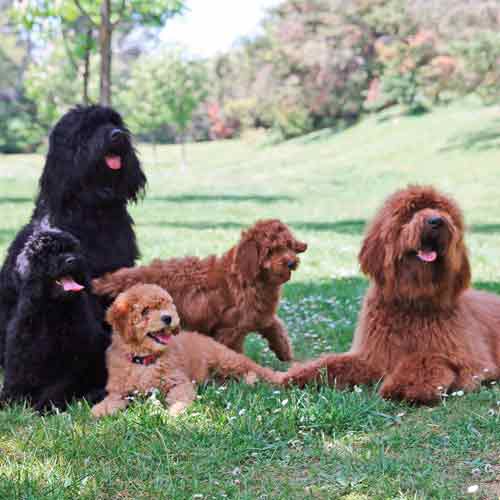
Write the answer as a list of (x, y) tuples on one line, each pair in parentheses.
[(348, 226), (16, 199), (482, 140), (217, 198), (354, 227), (488, 286), (484, 228)]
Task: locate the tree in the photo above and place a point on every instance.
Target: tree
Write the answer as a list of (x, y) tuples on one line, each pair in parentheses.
[(82, 21), (164, 90)]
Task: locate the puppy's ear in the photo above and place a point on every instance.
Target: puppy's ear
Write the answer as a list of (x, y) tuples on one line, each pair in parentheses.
[(247, 260), (117, 315), (299, 246)]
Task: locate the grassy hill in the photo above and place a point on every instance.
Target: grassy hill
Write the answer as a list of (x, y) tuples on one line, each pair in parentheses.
[(249, 443)]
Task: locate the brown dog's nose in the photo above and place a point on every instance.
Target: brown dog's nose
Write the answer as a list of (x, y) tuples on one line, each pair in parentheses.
[(300, 246), (292, 264), (166, 318), (435, 221)]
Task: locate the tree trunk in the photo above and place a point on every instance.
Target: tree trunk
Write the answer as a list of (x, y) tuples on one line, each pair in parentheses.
[(105, 32), (183, 152), (86, 69)]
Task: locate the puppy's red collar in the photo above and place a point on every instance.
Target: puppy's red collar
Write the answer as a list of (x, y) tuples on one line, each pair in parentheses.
[(142, 360)]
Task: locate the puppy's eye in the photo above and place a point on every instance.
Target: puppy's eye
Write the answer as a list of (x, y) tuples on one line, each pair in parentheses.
[(145, 312)]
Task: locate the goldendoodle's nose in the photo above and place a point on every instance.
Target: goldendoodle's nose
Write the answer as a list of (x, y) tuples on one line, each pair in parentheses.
[(435, 221), (167, 319), (115, 133)]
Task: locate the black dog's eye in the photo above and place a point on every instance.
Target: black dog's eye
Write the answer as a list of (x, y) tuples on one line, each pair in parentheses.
[(145, 312)]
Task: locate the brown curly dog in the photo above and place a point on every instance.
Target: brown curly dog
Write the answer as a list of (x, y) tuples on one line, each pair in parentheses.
[(230, 296), (147, 351), (422, 331)]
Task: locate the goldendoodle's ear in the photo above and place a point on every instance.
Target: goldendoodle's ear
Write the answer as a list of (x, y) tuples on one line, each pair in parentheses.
[(117, 314), (372, 257), (247, 260)]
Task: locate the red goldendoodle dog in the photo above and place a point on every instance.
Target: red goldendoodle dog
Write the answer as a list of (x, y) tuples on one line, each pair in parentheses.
[(230, 296), (422, 331)]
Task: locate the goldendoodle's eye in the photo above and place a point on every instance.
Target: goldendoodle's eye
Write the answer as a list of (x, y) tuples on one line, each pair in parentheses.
[(145, 312)]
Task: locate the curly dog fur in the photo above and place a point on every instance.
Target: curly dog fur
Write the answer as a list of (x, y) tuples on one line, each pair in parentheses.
[(146, 352), (91, 172), (55, 347), (422, 331), (230, 296)]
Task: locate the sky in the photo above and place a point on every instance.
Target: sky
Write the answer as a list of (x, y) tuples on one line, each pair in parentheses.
[(212, 26)]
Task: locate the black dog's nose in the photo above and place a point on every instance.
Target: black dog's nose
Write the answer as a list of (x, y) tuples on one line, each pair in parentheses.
[(435, 221), (115, 133), (166, 319), (70, 260)]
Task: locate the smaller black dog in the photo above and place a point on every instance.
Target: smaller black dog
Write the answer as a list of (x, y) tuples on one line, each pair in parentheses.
[(55, 345)]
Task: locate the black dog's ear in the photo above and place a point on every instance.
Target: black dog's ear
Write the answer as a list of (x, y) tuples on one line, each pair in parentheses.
[(247, 260)]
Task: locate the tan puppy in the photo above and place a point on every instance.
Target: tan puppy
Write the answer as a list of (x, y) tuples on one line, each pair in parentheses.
[(147, 353)]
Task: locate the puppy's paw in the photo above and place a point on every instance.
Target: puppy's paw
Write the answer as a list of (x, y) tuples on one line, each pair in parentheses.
[(250, 378), (108, 407), (177, 408)]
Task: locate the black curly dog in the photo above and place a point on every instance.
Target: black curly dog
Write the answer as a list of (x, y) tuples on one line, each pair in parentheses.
[(55, 343), (90, 174)]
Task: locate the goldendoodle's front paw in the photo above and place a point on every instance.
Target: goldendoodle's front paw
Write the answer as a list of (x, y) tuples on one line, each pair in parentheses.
[(177, 408), (108, 407), (419, 393)]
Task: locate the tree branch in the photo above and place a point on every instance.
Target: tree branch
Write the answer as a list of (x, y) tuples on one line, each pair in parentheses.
[(85, 13), (120, 15)]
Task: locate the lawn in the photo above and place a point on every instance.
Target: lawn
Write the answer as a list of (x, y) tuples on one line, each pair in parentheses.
[(260, 442)]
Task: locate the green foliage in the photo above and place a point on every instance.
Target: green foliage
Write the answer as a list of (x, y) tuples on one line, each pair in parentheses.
[(18, 132), (163, 90), (54, 86)]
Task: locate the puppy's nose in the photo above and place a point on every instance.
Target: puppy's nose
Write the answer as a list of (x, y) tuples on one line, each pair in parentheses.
[(70, 260), (435, 221), (115, 133), (166, 318), (292, 264)]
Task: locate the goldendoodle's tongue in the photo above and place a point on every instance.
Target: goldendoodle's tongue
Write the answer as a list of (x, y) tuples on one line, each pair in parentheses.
[(113, 162), (163, 338), (70, 285), (427, 255)]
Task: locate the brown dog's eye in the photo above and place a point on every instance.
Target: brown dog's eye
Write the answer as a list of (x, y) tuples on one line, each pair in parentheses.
[(145, 312)]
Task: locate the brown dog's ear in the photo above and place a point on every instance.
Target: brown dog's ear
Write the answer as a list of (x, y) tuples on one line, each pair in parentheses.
[(372, 257), (117, 314), (299, 246), (247, 260)]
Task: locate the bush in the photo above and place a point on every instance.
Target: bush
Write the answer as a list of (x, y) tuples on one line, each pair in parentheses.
[(18, 131)]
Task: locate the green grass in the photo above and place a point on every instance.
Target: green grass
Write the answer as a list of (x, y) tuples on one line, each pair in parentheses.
[(259, 442)]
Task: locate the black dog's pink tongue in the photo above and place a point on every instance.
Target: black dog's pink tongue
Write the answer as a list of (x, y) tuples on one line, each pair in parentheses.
[(70, 285), (113, 162), (427, 255)]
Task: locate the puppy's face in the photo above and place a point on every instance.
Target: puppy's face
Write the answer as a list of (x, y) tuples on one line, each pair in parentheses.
[(51, 261), (146, 319), (414, 248), (279, 264), (268, 252)]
